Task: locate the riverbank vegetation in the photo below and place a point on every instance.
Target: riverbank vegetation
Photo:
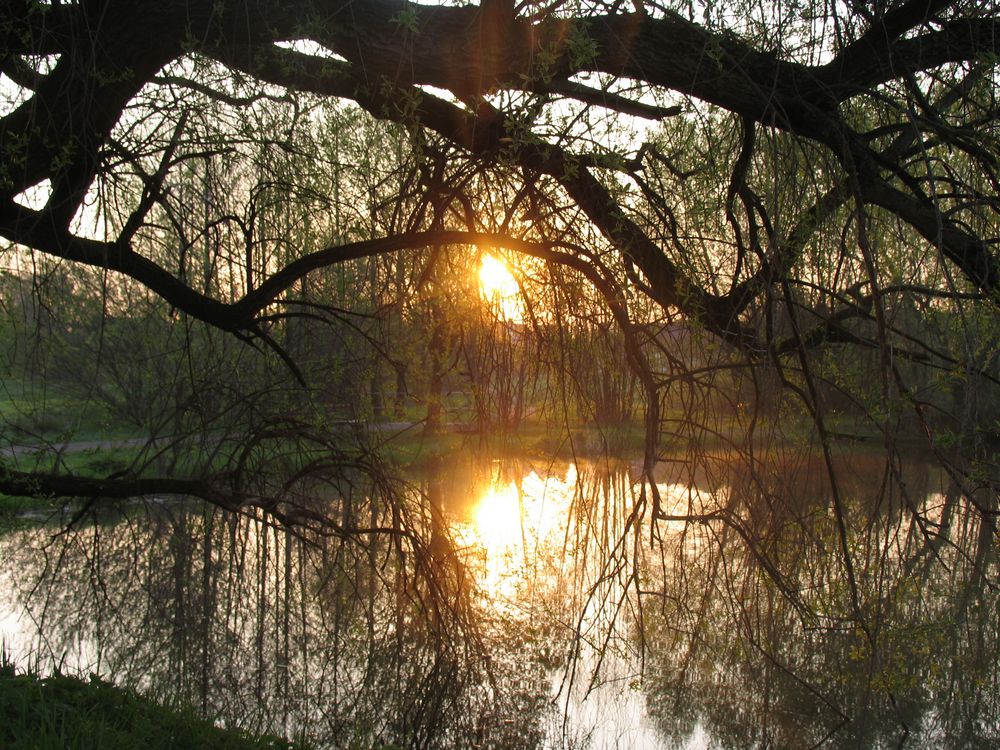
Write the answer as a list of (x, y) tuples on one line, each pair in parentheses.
[(61, 712)]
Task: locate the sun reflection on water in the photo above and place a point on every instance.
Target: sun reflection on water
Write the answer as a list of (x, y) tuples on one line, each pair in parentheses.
[(512, 533), (499, 520)]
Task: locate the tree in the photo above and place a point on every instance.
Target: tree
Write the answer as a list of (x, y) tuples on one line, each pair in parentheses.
[(789, 213)]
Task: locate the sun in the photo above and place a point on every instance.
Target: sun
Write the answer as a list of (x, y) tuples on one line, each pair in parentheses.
[(500, 288), (497, 281)]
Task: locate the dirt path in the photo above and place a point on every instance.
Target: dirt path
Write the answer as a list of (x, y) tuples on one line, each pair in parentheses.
[(76, 446), (82, 446)]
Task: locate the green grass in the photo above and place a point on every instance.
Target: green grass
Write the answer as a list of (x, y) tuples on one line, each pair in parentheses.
[(65, 713), (34, 414), (413, 448), (95, 462), (581, 440)]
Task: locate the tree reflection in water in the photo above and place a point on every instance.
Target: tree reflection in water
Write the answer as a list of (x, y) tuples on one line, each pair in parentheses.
[(536, 606), (764, 644), (341, 641)]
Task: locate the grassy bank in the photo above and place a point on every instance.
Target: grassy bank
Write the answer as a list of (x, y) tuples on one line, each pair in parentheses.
[(65, 713)]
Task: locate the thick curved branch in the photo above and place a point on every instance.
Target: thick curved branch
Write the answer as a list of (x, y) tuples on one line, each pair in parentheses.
[(30, 27), (966, 251), (41, 231), (31, 484), (31, 228), (462, 50), (865, 66), (484, 134)]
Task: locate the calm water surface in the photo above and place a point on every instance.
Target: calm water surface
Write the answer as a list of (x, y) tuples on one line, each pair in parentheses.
[(541, 608)]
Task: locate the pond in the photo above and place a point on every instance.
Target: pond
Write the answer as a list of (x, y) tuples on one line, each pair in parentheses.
[(515, 603)]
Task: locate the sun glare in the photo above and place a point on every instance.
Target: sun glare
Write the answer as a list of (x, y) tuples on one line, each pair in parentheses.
[(514, 522), (499, 518), (500, 288)]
